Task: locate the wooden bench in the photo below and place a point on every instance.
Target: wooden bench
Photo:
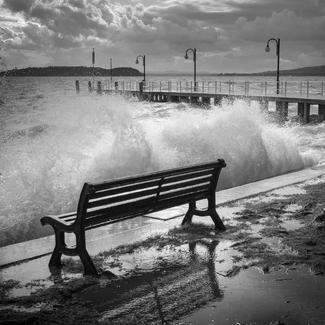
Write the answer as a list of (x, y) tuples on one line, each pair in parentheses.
[(111, 201)]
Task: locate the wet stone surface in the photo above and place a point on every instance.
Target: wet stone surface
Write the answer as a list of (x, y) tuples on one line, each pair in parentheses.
[(267, 268)]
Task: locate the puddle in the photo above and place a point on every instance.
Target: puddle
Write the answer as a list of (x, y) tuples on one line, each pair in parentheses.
[(27, 272), (289, 190), (291, 297), (291, 224)]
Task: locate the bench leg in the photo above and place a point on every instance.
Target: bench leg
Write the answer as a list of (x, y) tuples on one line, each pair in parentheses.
[(57, 252), (211, 211), (217, 221), (89, 267), (189, 214)]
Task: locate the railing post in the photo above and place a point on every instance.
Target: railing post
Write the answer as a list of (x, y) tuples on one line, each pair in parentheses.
[(300, 88), (265, 84), (322, 88), (215, 87), (180, 86), (203, 87), (229, 89), (191, 86), (307, 89)]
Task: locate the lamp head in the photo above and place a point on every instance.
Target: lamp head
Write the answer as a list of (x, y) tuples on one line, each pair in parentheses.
[(267, 49), (186, 56), (136, 61)]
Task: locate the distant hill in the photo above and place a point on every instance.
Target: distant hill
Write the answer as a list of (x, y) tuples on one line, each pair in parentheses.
[(307, 71), (54, 71)]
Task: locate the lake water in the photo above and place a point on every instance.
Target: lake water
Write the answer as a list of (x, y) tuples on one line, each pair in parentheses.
[(53, 140)]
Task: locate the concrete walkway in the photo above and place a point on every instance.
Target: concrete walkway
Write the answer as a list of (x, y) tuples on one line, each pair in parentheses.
[(141, 227)]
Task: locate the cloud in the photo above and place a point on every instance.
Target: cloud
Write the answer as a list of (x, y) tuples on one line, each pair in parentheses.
[(222, 31), (285, 24)]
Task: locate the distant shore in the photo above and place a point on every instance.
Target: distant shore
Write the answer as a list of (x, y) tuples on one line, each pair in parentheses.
[(71, 71), (64, 71)]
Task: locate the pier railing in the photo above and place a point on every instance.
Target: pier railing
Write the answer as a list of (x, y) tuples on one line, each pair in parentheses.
[(306, 89)]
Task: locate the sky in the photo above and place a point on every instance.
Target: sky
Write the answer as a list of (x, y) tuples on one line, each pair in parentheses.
[(228, 35)]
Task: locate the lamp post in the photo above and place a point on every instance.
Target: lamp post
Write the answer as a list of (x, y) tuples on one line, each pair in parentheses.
[(111, 70), (267, 49), (194, 60), (93, 61), (144, 65)]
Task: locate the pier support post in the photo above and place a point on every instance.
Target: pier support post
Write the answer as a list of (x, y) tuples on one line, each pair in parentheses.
[(206, 101), (194, 100), (281, 108), (264, 104), (77, 86), (174, 99), (300, 111), (99, 87), (304, 111), (89, 86), (184, 99), (321, 110), (217, 100)]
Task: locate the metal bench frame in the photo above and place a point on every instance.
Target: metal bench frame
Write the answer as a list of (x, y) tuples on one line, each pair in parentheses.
[(103, 203)]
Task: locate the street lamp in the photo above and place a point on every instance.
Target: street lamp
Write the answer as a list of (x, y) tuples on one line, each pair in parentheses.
[(267, 49), (111, 69), (194, 59), (144, 65)]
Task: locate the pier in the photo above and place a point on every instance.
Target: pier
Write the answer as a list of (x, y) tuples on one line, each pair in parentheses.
[(302, 94)]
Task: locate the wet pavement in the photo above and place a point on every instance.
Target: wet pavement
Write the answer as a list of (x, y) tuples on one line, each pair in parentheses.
[(163, 281)]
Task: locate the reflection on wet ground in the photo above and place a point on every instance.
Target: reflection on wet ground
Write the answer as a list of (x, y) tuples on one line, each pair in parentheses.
[(286, 296), (171, 284)]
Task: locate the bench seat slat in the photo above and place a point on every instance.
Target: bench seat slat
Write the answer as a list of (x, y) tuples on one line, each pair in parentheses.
[(149, 203), (147, 200), (121, 198), (115, 213), (114, 189), (133, 179), (151, 192)]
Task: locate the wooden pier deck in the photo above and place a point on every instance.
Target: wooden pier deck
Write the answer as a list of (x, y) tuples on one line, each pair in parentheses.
[(304, 94)]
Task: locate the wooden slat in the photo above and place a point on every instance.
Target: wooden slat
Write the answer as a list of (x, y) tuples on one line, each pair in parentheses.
[(112, 214), (181, 177), (121, 198), (170, 172), (166, 188), (134, 186), (147, 204), (146, 193)]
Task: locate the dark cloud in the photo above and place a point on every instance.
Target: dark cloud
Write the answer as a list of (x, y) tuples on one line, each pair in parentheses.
[(18, 5), (228, 30)]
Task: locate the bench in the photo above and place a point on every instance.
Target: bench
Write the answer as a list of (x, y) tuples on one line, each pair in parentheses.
[(106, 202)]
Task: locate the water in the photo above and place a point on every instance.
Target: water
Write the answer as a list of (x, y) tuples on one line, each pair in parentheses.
[(53, 140)]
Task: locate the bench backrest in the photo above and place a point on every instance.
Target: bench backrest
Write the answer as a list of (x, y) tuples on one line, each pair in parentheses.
[(115, 200)]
